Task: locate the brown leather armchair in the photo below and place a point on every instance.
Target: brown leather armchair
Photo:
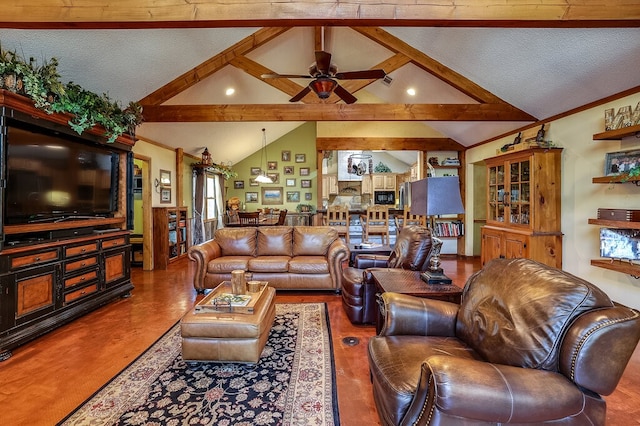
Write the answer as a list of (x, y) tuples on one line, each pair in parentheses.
[(411, 251), (529, 344)]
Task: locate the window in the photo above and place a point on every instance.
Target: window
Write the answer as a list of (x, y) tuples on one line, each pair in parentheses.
[(210, 200)]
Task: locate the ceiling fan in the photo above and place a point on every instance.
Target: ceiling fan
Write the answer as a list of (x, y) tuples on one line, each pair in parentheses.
[(324, 75)]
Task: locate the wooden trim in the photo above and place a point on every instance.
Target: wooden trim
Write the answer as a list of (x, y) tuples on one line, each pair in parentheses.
[(391, 144), (211, 65), (333, 112), (174, 13)]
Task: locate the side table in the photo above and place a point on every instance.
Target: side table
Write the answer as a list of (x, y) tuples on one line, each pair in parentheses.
[(409, 282)]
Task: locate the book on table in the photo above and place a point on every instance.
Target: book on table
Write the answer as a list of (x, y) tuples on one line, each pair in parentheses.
[(222, 300)]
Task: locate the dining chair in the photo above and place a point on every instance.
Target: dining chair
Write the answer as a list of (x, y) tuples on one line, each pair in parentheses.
[(249, 218), (338, 218), (376, 222), (282, 217)]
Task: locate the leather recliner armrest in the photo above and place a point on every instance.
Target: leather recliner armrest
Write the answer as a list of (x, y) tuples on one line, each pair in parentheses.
[(202, 254), (488, 392), (409, 315), (338, 253)]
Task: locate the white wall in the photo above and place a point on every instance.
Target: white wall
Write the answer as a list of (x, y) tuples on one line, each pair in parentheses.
[(582, 159)]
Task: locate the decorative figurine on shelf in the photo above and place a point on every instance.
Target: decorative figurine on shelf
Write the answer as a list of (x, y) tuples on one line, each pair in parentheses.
[(433, 161), (540, 134)]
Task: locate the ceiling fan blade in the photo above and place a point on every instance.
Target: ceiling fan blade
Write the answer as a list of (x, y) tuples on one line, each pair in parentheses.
[(301, 94), (323, 61), (285, 76), (365, 75), (344, 95)]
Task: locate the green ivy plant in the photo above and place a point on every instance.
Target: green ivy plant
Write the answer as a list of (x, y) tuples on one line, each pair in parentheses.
[(41, 83)]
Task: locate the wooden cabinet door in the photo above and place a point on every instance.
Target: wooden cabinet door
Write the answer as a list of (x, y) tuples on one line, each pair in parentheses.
[(515, 246), (367, 185), (491, 245), (116, 266), (35, 293)]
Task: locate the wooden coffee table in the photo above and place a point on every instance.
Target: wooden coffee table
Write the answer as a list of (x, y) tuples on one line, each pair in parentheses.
[(409, 282)]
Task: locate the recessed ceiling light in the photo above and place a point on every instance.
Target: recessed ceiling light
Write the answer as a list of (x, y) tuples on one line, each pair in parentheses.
[(230, 91), (411, 91)]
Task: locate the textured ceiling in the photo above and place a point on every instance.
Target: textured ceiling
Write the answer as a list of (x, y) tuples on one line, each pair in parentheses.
[(542, 71)]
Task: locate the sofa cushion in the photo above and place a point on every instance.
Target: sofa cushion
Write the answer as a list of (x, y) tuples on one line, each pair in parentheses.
[(309, 265), (236, 241), (269, 264), (227, 264), (313, 240), (516, 311), (274, 241)]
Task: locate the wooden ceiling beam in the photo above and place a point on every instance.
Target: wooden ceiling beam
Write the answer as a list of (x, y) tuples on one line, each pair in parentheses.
[(212, 65), (267, 13), (390, 144), (389, 65), (429, 64), (333, 112)]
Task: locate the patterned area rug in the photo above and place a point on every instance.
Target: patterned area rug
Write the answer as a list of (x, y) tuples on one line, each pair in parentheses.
[(292, 384)]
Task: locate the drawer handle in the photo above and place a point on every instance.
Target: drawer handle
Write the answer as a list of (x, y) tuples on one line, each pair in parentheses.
[(83, 250), (37, 259), (83, 264), (83, 292), (83, 278)]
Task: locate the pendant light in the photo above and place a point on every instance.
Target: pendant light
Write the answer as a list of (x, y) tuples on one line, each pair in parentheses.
[(262, 177)]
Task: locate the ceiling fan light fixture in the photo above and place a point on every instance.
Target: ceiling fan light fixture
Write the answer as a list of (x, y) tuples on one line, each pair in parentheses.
[(262, 177), (323, 86)]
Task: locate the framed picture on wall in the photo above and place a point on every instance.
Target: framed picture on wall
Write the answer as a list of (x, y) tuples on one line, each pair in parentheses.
[(308, 196), (271, 196), (304, 171), (288, 170), (305, 183), (621, 162), (255, 171), (165, 177), (301, 158), (286, 156), (293, 196), (238, 184), (250, 197), (253, 182), (272, 165), (291, 182), (165, 195), (275, 177)]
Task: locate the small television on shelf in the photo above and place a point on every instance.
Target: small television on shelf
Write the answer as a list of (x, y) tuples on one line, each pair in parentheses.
[(620, 243), (52, 175)]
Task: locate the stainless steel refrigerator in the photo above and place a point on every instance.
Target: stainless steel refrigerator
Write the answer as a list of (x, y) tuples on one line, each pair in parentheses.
[(404, 195)]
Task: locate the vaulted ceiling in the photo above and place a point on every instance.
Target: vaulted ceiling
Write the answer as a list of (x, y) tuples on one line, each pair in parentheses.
[(479, 69)]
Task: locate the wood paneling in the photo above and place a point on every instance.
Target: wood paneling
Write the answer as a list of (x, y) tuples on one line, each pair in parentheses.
[(153, 13)]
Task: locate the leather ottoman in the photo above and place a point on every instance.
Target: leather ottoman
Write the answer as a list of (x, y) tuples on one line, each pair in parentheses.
[(228, 337)]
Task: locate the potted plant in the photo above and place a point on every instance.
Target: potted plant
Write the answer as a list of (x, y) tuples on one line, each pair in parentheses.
[(304, 208), (41, 83)]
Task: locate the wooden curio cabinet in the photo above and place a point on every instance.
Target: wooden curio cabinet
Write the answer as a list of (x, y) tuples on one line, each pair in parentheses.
[(524, 206)]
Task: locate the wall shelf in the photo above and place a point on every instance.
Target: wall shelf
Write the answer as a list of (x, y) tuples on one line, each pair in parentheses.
[(615, 223), (618, 265), (612, 135), (616, 179)]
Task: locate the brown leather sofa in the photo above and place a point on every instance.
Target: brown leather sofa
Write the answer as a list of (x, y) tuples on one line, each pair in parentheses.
[(412, 251), (528, 345), (288, 257)]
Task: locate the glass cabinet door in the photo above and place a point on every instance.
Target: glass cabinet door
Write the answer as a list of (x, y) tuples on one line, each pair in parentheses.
[(497, 194), (519, 190)]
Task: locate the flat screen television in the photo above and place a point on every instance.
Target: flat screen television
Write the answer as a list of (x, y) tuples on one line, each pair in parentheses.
[(52, 176), (620, 243)]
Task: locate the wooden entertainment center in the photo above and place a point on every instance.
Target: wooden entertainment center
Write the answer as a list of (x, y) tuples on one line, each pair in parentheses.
[(53, 271)]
